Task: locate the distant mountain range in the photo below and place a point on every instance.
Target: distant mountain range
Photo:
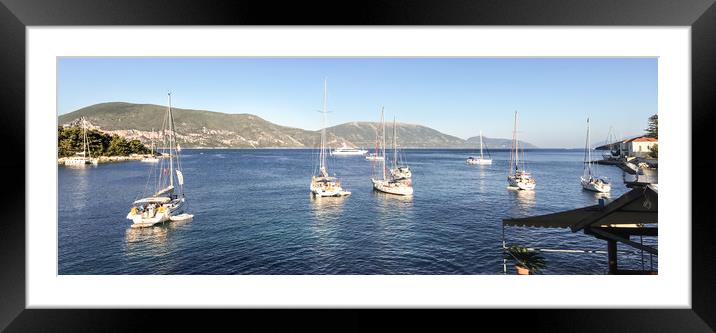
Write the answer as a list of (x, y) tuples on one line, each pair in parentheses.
[(207, 129)]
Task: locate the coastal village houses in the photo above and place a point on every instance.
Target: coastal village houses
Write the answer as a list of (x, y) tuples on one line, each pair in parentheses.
[(639, 146)]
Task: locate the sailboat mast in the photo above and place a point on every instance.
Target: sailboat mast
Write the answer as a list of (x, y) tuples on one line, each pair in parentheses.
[(589, 148), (480, 144), (382, 132), (322, 165), (84, 138), (512, 150), (588, 153), (171, 141), (395, 145), (516, 146)]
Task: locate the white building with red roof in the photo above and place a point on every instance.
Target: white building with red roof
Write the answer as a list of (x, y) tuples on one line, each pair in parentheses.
[(639, 146)]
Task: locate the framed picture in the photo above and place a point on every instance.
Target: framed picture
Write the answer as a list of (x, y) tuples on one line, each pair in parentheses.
[(94, 87)]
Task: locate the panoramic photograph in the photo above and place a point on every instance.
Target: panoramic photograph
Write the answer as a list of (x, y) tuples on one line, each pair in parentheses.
[(357, 166)]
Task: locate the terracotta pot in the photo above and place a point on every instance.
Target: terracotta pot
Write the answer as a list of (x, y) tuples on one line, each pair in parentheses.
[(522, 271)]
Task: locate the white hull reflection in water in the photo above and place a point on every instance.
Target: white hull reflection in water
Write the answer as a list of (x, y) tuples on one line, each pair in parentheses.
[(327, 208), (387, 200), (525, 201), (148, 244), (250, 221), (395, 213)]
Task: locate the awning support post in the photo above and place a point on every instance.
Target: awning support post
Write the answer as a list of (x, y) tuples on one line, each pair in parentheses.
[(504, 247), (612, 255)]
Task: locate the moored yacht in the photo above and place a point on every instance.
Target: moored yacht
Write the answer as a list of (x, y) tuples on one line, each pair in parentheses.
[(166, 201), (480, 160), (322, 184), (518, 177), (152, 158), (399, 170), (398, 182), (588, 180), (348, 151), (84, 157), (373, 157)]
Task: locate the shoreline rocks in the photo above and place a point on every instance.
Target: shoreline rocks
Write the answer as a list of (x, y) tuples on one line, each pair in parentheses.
[(113, 159)]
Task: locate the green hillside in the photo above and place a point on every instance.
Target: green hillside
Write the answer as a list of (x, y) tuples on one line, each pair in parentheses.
[(363, 134), (203, 129), (195, 128), (495, 143)]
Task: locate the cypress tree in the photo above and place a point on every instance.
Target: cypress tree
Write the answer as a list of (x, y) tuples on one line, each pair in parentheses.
[(653, 130)]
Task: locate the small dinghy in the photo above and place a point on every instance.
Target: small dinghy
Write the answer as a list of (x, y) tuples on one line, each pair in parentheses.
[(182, 217)]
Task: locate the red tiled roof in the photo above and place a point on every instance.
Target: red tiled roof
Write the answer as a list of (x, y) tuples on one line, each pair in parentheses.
[(642, 139)]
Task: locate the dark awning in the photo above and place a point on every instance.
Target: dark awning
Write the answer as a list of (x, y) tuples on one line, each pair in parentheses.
[(634, 208), (564, 219)]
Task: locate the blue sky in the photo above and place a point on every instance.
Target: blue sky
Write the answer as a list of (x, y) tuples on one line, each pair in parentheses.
[(457, 96)]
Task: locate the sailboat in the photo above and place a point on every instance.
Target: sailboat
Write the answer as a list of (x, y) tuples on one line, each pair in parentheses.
[(480, 160), (322, 184), (85, 157), (518, 178), (614, 151), (153, 158), (588, 180), (398, 171), (399, 182), (375, 156), (166, 202)]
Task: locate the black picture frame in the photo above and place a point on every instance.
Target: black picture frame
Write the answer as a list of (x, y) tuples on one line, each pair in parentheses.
[(16, 15)]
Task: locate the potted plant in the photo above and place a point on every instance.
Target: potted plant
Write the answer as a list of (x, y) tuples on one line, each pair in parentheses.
[(526, 261)]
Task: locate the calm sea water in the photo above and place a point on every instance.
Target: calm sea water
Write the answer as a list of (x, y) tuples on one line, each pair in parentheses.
[(253, 215)]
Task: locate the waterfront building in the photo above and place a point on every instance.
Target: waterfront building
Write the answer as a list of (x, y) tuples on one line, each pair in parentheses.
[(639, 146)]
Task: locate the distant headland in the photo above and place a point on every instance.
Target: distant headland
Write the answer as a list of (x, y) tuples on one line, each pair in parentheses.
[(208, 129)]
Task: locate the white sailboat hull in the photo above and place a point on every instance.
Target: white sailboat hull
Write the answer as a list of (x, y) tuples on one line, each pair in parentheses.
[(349, 153), (321, 188), (593, 184), (397, 188), (609, 156), (521, 183), (144, 220), (336, 192), (150, 160), (479, 161), (80, 161), (374, 158), (148, 219)]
